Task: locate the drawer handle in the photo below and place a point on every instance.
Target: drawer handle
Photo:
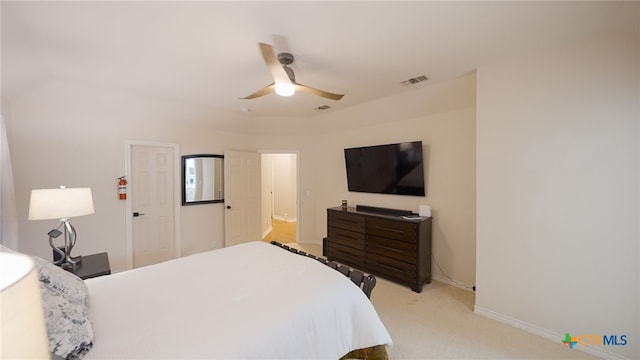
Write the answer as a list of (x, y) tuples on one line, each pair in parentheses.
[(390, 229), (399, 251), (391, 268), (348, 237), (348, 221)]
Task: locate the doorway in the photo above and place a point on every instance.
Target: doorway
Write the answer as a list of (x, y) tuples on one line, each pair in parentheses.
[(151, 212), (280, 197)]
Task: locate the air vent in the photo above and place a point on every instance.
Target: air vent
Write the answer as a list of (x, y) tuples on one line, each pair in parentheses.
[(415, 80), (323, 107)]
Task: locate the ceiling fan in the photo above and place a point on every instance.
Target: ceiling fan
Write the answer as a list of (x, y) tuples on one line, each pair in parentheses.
[(284, 80)]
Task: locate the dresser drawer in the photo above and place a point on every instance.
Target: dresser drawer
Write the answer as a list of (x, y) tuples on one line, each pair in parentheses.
[(399, 250), (345, 254), (345, 220), (346, 237), (386, 266), (399, 230)]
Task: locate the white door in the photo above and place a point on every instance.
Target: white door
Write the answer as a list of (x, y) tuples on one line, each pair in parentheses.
[(152, 204), (242, 197)]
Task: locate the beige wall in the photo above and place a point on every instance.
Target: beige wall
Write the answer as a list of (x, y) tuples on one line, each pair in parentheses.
[(558, 176)]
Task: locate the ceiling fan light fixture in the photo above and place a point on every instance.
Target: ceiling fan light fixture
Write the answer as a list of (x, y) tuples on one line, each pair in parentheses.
[(284, 80), (285, 89)]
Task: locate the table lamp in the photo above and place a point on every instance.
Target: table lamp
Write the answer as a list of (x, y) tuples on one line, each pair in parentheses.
[(23, 334), (62, 203)]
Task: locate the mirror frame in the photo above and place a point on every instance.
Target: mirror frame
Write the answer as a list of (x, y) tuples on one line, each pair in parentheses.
[(184, 180)]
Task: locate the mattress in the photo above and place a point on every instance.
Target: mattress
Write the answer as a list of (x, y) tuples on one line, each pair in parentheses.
[(249, 301)]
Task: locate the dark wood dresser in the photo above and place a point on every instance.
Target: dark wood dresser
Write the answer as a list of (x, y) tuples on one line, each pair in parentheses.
[(390, 246)]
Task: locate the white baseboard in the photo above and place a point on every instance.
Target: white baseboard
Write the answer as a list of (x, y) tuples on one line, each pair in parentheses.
[(266, 232), (281, 218), (547, 334)]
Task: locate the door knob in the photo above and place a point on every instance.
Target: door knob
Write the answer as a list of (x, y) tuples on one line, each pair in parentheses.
[(136, 214), (228, 206)]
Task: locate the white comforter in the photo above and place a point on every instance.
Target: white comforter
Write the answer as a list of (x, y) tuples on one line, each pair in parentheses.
[(250, 301)]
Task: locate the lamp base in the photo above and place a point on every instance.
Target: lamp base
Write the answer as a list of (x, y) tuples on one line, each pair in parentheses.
[(63, 260), (58, 255), (62, 255), (71, 263)]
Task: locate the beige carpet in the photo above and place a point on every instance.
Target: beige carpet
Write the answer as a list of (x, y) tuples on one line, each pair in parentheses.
[(439, 323)]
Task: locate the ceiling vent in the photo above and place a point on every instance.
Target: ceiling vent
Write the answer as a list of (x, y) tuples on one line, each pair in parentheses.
[(415, 80), (323, 107)]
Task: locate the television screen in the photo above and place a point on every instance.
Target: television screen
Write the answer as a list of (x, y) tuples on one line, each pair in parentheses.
[(386, 169)]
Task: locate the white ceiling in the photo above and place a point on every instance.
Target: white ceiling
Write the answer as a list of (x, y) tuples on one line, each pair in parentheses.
[(205, 53)]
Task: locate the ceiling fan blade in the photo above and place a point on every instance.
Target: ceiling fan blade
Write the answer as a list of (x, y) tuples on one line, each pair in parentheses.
[(318, 92), (269, 89), (277, 71)]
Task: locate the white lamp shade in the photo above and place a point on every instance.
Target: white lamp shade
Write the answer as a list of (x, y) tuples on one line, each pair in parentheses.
[(23, 334), (60, 203)]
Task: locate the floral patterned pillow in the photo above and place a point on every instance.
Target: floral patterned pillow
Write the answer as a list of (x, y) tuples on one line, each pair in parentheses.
[(65, 299), (66, 283), (69, 329)]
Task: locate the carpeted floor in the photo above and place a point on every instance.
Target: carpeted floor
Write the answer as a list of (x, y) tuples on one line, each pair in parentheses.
[(439, 323)]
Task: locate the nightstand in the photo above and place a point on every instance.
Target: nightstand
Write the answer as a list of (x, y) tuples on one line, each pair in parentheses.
[(92, 266)]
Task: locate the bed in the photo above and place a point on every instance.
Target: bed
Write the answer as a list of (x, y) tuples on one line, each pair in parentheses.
[(249, 301)]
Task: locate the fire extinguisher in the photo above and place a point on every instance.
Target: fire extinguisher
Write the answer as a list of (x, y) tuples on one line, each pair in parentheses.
[(122, 188)]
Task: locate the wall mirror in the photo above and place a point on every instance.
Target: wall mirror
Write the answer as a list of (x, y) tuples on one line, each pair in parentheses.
[(202, 179)]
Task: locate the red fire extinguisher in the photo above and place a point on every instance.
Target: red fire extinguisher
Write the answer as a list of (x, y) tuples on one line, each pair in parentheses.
[(122, 188)]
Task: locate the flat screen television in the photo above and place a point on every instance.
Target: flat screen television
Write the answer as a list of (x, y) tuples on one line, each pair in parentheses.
[(386, 169)]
